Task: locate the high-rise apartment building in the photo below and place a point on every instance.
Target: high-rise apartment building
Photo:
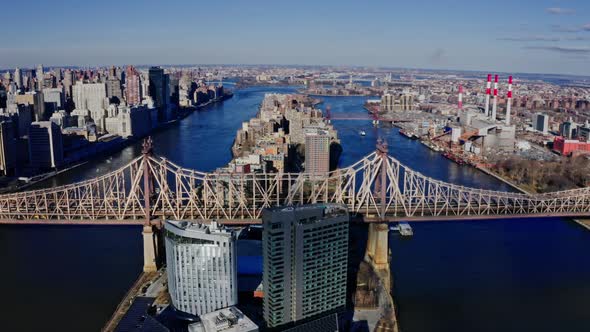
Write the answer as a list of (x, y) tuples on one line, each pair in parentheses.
[(403, 102), (7, 147), (387, 102), (541, 122), (317, 151), (92, 97), (305, 258), (583, 133), (114, 91), (201, 265), (39, 75), (36, 100), (159, 91), (45, 145), (157, 86), (68, 82), (132, 86), (113, 85), (54, 100), (567, 129), (18, 78)]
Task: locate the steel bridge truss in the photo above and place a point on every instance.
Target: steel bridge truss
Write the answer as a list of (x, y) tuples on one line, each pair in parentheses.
[(378, 187)]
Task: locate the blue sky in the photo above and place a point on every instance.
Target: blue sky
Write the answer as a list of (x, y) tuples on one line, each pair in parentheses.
[(518, 36)]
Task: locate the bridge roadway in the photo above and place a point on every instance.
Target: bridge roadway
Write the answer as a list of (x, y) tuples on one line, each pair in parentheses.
[(377, 188)]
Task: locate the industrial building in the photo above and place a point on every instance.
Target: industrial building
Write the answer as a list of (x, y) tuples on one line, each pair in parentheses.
[(201, 266), (567, 147), (482, 132), (305, 258)]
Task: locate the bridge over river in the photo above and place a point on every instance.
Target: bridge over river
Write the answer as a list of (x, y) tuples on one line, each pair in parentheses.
[(376, 189)]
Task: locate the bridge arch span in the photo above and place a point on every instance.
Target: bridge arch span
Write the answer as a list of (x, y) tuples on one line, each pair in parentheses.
[(378, 187)]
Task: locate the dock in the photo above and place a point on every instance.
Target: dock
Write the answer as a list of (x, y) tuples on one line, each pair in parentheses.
[(583, 222)]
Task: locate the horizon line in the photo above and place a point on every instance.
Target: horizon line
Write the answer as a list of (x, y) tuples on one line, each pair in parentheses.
[(97, 66)]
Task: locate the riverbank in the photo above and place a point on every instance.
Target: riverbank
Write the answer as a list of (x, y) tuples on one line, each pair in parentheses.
[(151, 284), (508, 182)]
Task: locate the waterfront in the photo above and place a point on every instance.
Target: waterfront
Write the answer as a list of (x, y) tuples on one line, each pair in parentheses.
[(459, 275)]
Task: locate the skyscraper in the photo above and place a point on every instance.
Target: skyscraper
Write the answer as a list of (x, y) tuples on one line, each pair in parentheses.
[(68, 82), (18, 78), (305, 258), (317, 151), (157, 86), (39, 75), (36, 100), (92, 97), (202, 267), (159, 91), (132, 86), (114, 91), (45, 145), (7, 147)]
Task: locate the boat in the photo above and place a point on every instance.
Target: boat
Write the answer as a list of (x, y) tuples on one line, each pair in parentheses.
[(408, 134), (432, 146), (403, 228), (362, 133)]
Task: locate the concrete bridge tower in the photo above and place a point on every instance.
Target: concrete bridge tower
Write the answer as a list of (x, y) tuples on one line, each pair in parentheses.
[(377, 252), (149, 237)]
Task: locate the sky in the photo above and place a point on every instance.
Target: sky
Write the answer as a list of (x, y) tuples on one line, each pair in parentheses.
[(537, 36)]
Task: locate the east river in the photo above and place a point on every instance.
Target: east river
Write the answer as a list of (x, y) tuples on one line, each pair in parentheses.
[(496, 275)]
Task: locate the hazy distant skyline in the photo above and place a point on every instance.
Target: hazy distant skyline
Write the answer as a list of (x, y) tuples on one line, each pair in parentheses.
[(508, 36)]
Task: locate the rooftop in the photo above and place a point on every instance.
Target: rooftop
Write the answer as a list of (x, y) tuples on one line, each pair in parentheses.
[(188, 228), (227, 320)]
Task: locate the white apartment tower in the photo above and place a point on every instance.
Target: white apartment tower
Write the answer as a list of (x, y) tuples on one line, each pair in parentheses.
[(202, 266), (92, 97)]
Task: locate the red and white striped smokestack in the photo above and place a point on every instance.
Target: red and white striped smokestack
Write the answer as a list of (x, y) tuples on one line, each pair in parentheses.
[(460, 96), (509, 100), (495, 102), (488, 91)]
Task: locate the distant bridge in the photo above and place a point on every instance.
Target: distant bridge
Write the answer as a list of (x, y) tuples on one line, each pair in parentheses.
[(369, 116)]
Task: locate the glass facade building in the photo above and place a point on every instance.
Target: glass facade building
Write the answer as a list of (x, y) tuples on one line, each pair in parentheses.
[(201, 266), (305, 258)]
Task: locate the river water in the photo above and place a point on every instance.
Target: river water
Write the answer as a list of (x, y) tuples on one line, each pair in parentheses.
[(451, 276)]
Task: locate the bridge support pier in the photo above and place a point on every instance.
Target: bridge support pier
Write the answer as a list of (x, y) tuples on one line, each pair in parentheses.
[(377, 252), (149, 250)]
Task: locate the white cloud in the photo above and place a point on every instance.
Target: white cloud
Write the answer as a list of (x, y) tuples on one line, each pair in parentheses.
[(559, 11)]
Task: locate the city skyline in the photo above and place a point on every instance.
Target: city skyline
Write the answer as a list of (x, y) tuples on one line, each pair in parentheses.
[(272, 166), (527, 37)]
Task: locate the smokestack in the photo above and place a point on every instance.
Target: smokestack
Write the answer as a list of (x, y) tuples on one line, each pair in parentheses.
[(495, 104), (509, 100), (488, 87), (460, 96)]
